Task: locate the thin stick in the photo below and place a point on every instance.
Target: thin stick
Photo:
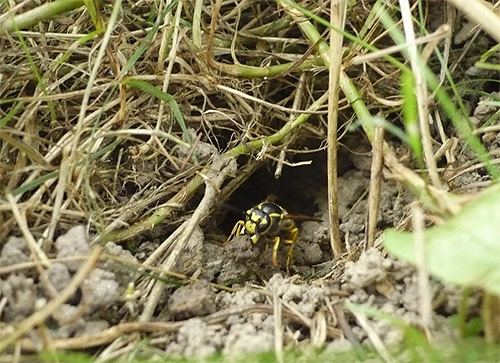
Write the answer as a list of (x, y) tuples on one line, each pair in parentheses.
[(375, 181), (40, 258), (343, 323), (418, 67), (220, 168), (375, 339), (270, 105), (150, 261), (480, 12), (23, 226), (299, 92), (278, 328), (441, 33), (337, 15), (58, 201)]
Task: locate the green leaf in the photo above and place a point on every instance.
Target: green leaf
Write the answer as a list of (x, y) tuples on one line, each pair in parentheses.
[(465, 250)]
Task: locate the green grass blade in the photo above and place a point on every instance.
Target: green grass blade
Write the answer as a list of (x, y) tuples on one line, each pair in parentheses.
[(12, 112), (40, 13), (410, 115), (165, 97)]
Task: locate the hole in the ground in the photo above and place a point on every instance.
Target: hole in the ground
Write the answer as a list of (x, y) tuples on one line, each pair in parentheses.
[(491, 86), (295, 190)]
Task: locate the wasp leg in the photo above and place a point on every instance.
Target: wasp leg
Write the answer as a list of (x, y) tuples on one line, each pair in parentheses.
[(275, 250), (291, 241), (267, 245), (236, 231)]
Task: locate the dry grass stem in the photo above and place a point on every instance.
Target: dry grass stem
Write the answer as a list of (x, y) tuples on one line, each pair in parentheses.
[(375, 182), (436, 200), (375, 339), (418, 70), (450, 157), (318, 330), (337, 17), (278, 329), (36, 250), (171, 61), (220, 168), (344, 325), (299, 94), (331, 331), (481, 12), (441, 33), (267, 104)]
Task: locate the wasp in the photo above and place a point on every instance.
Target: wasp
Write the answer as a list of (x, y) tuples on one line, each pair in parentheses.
[(271, 222)]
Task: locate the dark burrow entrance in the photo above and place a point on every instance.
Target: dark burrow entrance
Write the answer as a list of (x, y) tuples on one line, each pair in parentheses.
[(294, 190)]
